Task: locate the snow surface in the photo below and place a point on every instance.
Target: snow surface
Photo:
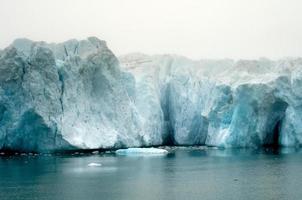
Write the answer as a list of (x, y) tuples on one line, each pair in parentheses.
[(79, 95)]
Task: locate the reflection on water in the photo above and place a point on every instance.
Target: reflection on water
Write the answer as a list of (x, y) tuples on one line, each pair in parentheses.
[(185, 173)]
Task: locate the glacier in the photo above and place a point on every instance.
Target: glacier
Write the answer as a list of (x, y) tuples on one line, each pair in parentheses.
[(78, 95)]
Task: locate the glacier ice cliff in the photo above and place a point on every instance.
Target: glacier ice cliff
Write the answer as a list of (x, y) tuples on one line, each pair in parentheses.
[(224, 103), (79, 95), (64, 96)]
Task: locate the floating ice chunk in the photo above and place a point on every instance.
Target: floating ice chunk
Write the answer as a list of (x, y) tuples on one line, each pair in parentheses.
[(141, 151), (94, 164)]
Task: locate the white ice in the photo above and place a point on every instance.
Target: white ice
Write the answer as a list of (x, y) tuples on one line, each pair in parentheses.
[(94, 164), (141, 151)]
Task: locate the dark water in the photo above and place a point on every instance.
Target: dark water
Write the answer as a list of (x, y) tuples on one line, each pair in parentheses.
[(184, 174)]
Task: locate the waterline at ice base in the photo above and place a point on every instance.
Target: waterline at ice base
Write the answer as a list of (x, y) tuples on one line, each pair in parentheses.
[(79, 95)]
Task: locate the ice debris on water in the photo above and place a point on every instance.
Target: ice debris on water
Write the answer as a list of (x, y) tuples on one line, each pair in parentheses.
[(141, 151), (94, 164)]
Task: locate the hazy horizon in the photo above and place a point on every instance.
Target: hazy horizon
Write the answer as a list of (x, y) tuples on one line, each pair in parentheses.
[(211, 29)]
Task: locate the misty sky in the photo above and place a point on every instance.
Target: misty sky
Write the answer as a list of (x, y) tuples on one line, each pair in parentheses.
[(193, 28)]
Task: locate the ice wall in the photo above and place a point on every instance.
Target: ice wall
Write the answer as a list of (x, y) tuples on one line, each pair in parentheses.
[(224, 102), (65, 96), (77, 94)]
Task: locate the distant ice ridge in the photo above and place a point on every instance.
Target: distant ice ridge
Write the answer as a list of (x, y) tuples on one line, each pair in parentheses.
[(78, 95), (141, 151)]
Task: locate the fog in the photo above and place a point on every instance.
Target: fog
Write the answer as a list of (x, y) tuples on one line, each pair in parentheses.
[(196, 29)]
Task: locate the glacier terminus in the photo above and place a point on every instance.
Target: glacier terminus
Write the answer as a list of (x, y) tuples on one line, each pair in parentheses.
[(79, 95)]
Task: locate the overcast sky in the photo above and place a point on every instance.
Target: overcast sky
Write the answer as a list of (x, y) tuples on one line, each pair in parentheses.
[(193, 28)]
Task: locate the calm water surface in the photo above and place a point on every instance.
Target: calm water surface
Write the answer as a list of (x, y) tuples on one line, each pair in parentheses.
[(185, 173)]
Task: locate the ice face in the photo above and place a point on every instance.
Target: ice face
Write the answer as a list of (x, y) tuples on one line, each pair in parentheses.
[(77, 94), (223, 102), (30, 101), (68, 95)]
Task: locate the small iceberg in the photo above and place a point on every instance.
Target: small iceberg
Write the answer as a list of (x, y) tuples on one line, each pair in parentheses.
[(141, 151), (94, 164)]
